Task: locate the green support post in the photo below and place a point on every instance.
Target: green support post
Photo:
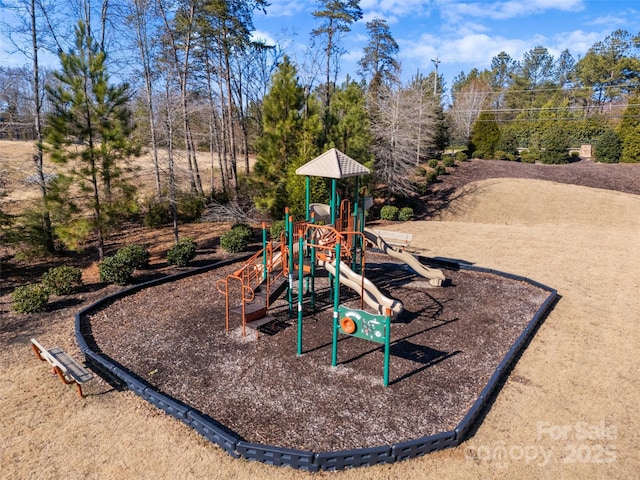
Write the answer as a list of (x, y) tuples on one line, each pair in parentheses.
[(264, 250), (336, 305), (387, 348), (300, 276), (312, 261), (356, 238), (332, 207), (307, 196), (290, 276)]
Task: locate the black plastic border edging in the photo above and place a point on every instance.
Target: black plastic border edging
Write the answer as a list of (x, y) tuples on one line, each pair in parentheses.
[(309, 461)]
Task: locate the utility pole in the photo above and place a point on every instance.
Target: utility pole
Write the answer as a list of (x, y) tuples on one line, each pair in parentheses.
[(436, 62)]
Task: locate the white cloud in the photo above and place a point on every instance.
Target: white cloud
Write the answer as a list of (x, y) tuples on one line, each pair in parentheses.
[(286, 8), (262, 36), (507, 10)]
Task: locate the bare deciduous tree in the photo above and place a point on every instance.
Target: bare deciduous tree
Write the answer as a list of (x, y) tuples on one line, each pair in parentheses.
[(404, 125)]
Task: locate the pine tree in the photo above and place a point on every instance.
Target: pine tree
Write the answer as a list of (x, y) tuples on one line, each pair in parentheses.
[(89, 130), (279, 145), (485, 136), (630, 132)]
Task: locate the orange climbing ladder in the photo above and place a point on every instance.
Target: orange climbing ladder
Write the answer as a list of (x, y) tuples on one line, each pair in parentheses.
[(255, 286)]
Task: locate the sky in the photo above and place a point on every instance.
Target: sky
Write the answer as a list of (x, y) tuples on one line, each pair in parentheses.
[(458, 35)]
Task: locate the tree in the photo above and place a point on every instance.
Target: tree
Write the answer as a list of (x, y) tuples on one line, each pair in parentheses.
[(608, 147), (554, 143), (486, 135), (629, 131), (337, 16), (139, 18), (379, 63), (350, 125), (179, 39), (610, 68), (89, 129), (470, 96), (404, 125), (32, 14), (282, 114)]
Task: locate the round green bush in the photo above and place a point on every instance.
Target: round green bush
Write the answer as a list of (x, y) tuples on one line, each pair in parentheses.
[(277, 228), (432, 177), (405, 214), (62, 280), (389, 212), (420, 171), (30, 298), (440, 170), (530, 156), (478, 154), (433, 163), (245, 229), (116, 270), (461, 157), (182, 252), (234, 241), (135, 255), (448, 162)]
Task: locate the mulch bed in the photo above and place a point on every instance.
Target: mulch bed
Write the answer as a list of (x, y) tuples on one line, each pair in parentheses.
[(620, 177), (445, 345)]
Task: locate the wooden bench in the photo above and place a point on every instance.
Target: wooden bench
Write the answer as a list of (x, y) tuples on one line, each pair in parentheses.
[(66, 367)]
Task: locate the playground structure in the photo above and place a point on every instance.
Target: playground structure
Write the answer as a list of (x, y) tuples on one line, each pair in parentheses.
[(332, 237)]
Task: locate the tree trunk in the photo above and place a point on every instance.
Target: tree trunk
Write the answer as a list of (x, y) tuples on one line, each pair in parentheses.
[(38, 158)]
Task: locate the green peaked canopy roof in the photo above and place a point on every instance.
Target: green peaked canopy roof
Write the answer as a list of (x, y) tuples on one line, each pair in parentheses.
[(333, 164)]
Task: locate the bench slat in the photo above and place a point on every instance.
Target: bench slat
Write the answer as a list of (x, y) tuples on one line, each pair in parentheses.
[(69, 366)]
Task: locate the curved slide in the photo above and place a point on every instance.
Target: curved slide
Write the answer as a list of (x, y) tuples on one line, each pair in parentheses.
[(371, 295), (435, 276)]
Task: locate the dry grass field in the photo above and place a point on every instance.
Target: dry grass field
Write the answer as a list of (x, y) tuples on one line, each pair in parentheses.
[(567, 410)]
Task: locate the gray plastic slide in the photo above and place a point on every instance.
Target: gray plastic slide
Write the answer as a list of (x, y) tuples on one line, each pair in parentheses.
[(371, 295), (435, 276)]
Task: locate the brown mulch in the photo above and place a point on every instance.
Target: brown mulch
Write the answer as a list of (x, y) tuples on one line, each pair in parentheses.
[(444, 347)]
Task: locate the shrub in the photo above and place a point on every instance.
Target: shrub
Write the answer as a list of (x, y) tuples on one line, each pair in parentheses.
[(277, 228), (461, 157), (135, 255), (115, 269), (189, 209), (405, 214), (62, 280), (500, 155), (433, 163), (389, 212), (158, 213), (530, 156), (478, 154), (608, 147), (440, 170), (30, 298), (245, 229), (420, 171), (191, 206), (448, 162), (432, 177), (182, 252), (555, 144), (234, 241)]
